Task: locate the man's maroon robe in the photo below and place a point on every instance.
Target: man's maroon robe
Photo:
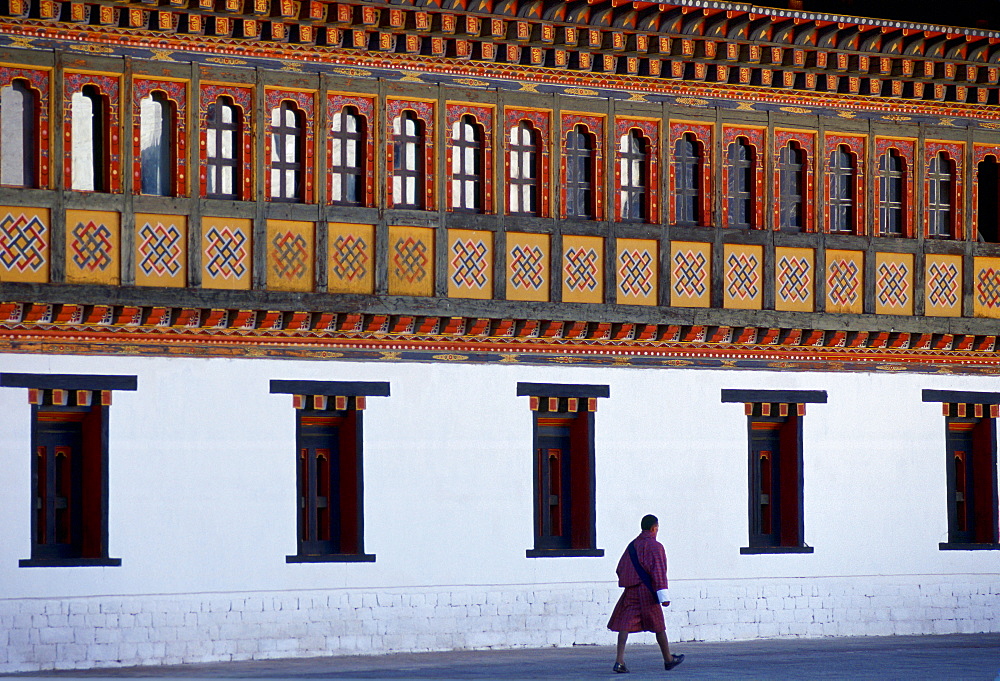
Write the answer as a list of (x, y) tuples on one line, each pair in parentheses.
[(638, 608)]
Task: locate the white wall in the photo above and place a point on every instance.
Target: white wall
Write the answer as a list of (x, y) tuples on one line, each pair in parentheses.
[(202, 478)]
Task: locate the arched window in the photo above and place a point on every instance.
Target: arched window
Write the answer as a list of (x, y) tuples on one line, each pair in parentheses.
[(223, 179), (791, 184), (286, 153), (524, 161), (687, 180), (408, 162), (579, 173), (841, 177), (466, 166), (939, 199), (88, 144), (741, 158), (155, 133), (891, 169), (17, 136), (348, 176), (632, 171), (988, 208)]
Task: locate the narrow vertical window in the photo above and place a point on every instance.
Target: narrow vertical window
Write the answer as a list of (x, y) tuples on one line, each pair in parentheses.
[(287, 127), (408, 162), (632, 167), (939, 196), (156, 130), (891, 169), (579, 173), (17, 136), (791, 185), (841, 178), (741, 159), (687, 180), (224, 123), (87, 110), (466, 166), (524, 173), (347, 138), (988, 206)]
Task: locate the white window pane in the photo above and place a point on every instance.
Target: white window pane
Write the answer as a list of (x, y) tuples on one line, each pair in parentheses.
[(397, 125), (470, 159), (456, 199), (336, 189), (411, 127), (83, 141), (470, 194), (411, 190), (290, 149), (352, 159), (227, 180), (13, 102), (228, 145), (290, 185), (275, 141), (410, 162), (275, 183), (210, 141), (456, 161), (338, 119), (397, 189)]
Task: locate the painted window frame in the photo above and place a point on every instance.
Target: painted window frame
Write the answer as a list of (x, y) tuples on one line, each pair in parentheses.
[(800, 190), (701, 135), (904, 149), (303, 102), (216, 161), (983, 153), (854, 147), (646, 190), (365, 106), (38, 84), (424, 113), (753, 139), (23, 133), (954, 153), (175, 93), (593, 127), (541, 124), (481, 120), (107, 89), (242, 99)]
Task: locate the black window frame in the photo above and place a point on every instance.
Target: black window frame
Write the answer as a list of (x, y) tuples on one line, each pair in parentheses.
[(351, 171), (842, 182), (892, 195), (409, 176), (633, 180), (215, 160), (940, 197), (688, 163), (742, 160), (284, 135), (579, 180), (469, 181), (531, 152)]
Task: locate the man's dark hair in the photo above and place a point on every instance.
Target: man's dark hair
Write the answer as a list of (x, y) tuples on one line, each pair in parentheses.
[(648, 522)]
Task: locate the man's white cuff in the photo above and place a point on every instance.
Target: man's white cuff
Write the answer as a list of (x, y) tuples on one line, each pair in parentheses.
[(663, 595)]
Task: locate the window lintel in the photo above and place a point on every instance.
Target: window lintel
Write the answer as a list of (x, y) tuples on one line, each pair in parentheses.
[(331, 388), (774, 396), (562, 390), (959, 397), (68, 381)]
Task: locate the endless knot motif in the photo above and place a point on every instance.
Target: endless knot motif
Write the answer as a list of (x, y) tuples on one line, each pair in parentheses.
[(741, 276), (988, 287), (290, 255), (942, 284), (22, 242), (349, 257), (160, 250), (226, 253), (843, 283), (794, 276), (581, 269), (893, 288), (527, 267), (469, 264), (91, 246), (410, 259), (636, 272), (690, 275)]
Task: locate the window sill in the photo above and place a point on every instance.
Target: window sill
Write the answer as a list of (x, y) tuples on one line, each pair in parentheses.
[(751, 550), (70, 562), (949, 546), (333, 558), (564, 553)]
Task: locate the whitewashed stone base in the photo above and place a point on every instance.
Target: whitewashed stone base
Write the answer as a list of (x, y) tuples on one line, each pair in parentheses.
[(79, 633)]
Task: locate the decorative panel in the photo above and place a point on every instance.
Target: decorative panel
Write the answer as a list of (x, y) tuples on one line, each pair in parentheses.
[(226, 251), (943, 285), (470, 264), (93, 247), (303, 101), (595, 127), (649, 130), (411, 261), (337, 102), (755, 138), (894, 283), (743, 271), (424, 111), (352, 258), (242, 98), (856, 148), (37, 80), (527, 266), (955, 151), (702, 133), (806, 141), (540, 121), (986, 287), (176, 93), (845, 276), (690, 274), (108, 86), (24, 244), (794, 279), (160, 250), (636, 271), (483, 116), (291, 255), (583, 269)]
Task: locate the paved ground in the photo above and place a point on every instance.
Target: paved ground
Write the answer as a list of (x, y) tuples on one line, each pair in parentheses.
[(975, 657)]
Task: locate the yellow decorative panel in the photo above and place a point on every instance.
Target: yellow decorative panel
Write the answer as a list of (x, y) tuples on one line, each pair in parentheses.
[(291, 254), (160, 250), (527, 270), (352, 258), (93, 247), (690, 274), (794, 279), (583, 269), (743, 268), (470, 264), (943, 285), (226, 252), (986, 287), (24, 244), (845, 279), (411, 261), (635, 270), (894, 283)]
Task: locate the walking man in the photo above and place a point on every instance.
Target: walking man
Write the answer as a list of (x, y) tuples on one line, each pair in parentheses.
[(642, 571)]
